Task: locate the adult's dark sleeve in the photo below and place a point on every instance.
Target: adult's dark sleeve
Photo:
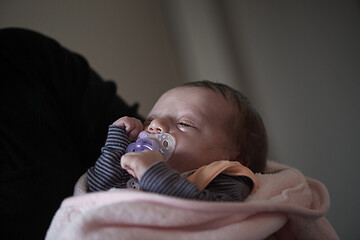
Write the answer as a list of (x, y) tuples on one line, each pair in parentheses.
[(55, 111)]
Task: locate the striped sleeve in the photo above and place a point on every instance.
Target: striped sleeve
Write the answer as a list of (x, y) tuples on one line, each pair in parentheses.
[(107, 172), (160, 178)]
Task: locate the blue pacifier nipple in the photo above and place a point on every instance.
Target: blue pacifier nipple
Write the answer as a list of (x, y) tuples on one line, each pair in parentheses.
[(162, 142)]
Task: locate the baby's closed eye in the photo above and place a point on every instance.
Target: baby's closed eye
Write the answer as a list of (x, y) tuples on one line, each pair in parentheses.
[(184, 124)]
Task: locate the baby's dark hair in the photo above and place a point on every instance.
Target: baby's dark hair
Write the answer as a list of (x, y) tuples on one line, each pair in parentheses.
[(251, 139)]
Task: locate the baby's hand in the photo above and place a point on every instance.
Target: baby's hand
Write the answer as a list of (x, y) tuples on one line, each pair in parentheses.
[(131, 125), (136, 163)]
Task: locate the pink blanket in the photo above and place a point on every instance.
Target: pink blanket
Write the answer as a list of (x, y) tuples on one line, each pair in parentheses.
[(287, 205)]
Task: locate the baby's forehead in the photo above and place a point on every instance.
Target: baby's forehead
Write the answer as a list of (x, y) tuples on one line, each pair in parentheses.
[(189, 95), (204, 93), (199, 99)]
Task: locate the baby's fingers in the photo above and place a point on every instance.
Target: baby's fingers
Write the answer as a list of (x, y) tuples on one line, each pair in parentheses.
[(129, 163), (131, 125), (136, 163), (134, 131)]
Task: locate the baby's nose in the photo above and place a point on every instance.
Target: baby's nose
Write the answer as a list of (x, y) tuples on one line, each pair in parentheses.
[(158, 125)]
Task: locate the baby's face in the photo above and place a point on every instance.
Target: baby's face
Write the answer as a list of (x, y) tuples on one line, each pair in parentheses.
[(198, 119)]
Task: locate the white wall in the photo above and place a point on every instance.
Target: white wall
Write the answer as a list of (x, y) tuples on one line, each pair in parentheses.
[(200, 35), (125, 41), (302, 60)]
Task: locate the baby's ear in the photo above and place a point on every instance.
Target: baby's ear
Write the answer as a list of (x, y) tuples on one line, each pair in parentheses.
[(243, 159)]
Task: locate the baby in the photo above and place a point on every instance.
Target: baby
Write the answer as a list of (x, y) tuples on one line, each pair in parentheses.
[(220, 142)]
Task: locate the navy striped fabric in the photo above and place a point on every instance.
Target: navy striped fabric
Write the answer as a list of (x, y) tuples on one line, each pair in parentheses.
[(107, 172), (159, 178)]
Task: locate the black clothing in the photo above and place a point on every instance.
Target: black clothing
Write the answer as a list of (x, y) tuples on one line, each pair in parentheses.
[(55, 111)]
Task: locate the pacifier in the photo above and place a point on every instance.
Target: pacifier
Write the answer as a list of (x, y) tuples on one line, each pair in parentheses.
[(162, 142)]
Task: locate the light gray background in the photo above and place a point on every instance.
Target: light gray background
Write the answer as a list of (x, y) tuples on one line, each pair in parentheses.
[(299, 62)]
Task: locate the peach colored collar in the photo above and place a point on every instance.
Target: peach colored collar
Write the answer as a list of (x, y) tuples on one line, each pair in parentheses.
[(204, 175)]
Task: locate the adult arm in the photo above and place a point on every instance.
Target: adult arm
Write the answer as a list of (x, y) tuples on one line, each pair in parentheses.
[(55, 111)]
